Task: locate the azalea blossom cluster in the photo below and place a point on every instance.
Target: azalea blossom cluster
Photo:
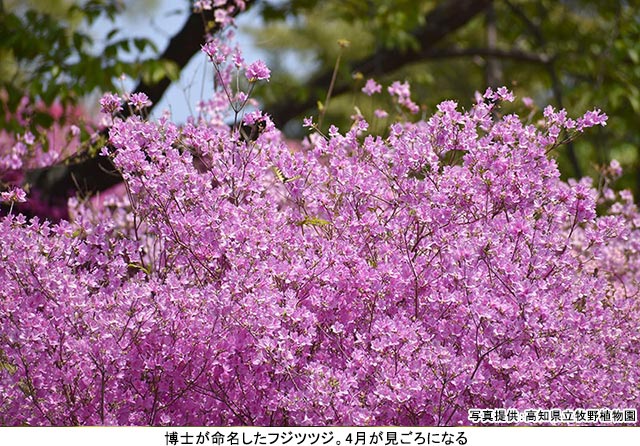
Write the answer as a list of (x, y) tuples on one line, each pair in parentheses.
[(39, 144), (223, 10), (360, 280), (46, 135)]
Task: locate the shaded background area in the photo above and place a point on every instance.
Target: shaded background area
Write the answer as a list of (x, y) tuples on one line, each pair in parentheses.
[(573, 54)]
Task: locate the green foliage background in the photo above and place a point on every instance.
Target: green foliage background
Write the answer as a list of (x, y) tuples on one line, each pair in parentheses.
[(576, 54)]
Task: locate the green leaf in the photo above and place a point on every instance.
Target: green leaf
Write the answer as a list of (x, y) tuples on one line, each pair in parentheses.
[(138, 266), (282, 177), (152, 72), (313, 221), (171, 69), (78, 41), (6, 365), (77, 233), (140, 44), (112, 33)]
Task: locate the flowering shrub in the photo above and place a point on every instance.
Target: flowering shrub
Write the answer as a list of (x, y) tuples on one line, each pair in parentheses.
[(361, 280), (35, 136), (48, 134)]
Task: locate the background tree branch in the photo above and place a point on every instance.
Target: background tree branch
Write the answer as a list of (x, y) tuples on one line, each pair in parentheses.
[(496, 53), (447, 17)]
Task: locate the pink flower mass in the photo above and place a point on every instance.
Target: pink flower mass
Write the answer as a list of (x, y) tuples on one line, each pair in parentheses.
[(371, 87), (258, 71), (394, 279)]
